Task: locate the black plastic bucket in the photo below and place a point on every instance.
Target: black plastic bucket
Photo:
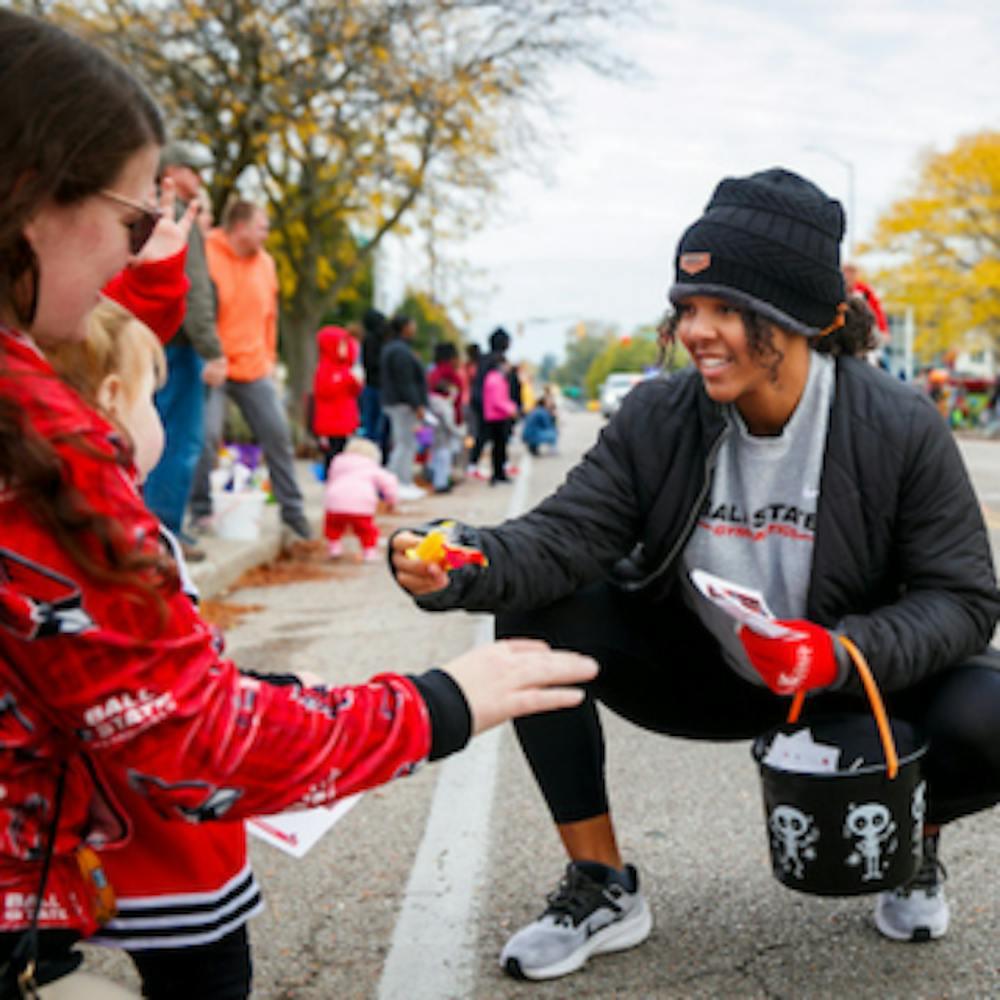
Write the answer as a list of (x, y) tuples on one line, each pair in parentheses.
[(850, 831)]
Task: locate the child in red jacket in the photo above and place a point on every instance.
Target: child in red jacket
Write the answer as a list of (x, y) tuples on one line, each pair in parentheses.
[(336, 387), (175, 883)]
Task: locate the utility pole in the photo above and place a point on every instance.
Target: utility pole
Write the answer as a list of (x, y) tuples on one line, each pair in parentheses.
[(852, 221)]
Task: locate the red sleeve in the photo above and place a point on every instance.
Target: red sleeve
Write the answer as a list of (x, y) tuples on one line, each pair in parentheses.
[(155, 292), (334, 382), (162, 711), (873, 303)]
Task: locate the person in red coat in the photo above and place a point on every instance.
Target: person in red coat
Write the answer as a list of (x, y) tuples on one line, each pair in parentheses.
[(110, 677), (336, 387)]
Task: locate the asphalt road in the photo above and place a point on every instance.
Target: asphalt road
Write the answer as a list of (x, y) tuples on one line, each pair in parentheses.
[(412, 894)]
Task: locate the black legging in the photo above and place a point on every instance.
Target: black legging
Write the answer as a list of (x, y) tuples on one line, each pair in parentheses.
[(497, 433), (662, 670), (333, 447), (218, 971)]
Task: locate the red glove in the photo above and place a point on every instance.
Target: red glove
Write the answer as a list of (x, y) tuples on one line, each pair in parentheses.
[(794, 663)]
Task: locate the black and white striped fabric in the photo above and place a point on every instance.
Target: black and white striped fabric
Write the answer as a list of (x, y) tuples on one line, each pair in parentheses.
[(185, 919)]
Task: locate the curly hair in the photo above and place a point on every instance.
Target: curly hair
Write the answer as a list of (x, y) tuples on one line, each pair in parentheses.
[(853, 339), (856, 337), (759, 331)]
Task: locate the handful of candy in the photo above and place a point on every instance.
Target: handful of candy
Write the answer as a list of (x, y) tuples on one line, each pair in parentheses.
[(434, 547)]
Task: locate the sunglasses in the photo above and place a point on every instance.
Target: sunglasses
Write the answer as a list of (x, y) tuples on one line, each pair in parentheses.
[(139, 230)]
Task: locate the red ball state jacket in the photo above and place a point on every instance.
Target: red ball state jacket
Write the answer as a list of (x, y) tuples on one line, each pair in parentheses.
[(177, 885), (335, 388), (115, 690)]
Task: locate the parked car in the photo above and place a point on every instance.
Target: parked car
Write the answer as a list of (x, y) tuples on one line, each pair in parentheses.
[(614, 388)]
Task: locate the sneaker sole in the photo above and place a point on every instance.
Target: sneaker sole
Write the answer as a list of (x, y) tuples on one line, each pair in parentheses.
[(919, 935), (615, 937)]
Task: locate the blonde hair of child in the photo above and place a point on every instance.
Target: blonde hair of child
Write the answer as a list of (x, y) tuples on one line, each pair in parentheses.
[(362, 446), (116, 344)]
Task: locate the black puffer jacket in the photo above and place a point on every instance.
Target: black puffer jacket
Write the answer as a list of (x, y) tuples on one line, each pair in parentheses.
[(901, 562), (402, 377)]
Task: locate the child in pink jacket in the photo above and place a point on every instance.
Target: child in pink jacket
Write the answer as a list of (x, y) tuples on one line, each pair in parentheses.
[(354, 483), (499, 410)]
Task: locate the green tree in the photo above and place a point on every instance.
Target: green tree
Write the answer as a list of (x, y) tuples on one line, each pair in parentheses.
[(945, 235), (584, 342), (620, 354)]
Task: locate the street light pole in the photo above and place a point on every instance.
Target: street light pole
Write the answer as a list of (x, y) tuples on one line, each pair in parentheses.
[(848, 166)]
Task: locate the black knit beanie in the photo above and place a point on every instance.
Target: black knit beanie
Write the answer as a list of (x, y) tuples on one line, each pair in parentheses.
[(770, 243)]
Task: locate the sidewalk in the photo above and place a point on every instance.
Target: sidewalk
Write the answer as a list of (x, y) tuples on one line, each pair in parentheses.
[(226, 561)]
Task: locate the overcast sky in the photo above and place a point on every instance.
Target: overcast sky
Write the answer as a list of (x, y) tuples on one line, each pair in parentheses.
[(730, 87)]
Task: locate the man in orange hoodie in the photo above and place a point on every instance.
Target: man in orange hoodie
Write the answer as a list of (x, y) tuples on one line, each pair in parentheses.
[(247, 285)]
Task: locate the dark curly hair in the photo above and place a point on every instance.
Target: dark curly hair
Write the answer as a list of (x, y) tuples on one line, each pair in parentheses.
[(855, 338)]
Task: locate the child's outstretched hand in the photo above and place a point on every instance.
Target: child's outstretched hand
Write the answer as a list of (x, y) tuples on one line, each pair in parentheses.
[(414, 575), (516, 677)]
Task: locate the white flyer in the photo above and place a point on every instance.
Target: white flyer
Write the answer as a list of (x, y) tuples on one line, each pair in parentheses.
[(800, 752), (744, 604), (297, 832)]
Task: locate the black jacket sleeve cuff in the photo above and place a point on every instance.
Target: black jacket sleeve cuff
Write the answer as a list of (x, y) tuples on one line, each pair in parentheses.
[(451, 720)]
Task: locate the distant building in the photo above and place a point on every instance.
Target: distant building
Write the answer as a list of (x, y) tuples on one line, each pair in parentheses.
[(976, 356)]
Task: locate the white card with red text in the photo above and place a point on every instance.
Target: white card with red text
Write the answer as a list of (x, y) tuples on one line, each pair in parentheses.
[(297, 832), (744, 604)]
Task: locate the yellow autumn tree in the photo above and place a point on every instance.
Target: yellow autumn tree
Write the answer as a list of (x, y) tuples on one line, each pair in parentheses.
[(346, 115), (945, 233)]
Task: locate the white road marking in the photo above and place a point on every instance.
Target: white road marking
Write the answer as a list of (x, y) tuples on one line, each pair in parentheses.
[(432, 955)]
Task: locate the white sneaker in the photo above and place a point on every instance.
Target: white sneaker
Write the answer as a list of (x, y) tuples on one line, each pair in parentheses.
[(916, 911), (591, 913), (410, 492)]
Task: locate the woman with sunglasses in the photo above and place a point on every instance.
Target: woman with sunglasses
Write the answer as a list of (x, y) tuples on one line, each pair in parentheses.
[(105, 667)]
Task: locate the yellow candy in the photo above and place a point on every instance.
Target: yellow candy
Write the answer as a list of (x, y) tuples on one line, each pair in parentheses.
[(431, 548)]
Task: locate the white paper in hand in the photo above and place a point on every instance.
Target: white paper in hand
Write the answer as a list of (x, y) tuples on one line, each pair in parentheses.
[(296, 832), (744, 604)]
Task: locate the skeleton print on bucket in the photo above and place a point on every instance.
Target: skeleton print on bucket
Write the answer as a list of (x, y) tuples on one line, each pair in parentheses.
[(793, 834), (874, 833)]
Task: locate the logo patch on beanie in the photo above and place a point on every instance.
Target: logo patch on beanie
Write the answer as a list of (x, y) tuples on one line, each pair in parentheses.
[(695, 263)]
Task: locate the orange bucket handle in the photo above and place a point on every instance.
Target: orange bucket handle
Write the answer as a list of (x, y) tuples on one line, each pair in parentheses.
[(874, 699)]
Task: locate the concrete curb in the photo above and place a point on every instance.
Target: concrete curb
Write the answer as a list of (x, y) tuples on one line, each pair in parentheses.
[(226, 561)]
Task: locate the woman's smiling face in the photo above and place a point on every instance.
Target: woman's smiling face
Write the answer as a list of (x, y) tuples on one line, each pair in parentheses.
[(714, 333)]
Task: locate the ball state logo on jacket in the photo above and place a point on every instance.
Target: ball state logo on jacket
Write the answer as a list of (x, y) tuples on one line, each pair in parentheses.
[(695, 263)]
